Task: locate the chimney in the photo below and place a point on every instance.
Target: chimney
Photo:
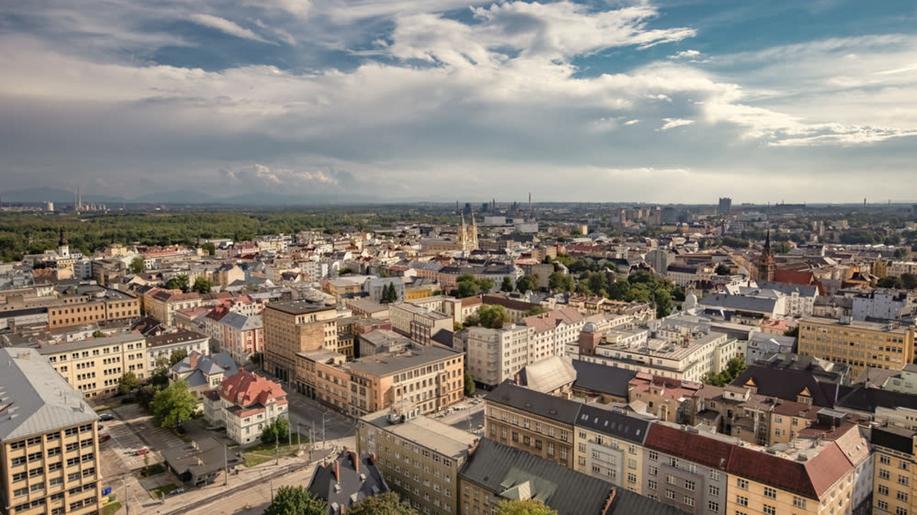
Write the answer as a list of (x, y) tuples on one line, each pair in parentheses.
[(337, 471), (356, 461)]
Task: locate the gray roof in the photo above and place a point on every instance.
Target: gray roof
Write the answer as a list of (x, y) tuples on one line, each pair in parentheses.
[(298, 307), (600, 378), (542, 404), (241, 322), (34, 398), (386, 363), (804, 290), (613, 423), (90, 343), (353, 485), (181, 336), (515, 474), (629, 503), (739, 302)]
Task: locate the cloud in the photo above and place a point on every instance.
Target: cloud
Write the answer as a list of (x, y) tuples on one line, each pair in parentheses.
[(225, 26), (672, 123)]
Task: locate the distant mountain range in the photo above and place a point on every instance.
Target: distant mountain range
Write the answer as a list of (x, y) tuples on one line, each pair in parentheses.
[(61, 196)]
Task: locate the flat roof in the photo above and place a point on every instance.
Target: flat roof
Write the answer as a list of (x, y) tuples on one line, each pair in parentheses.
[(298, 307), (89, 343), (174, 338), (387, 363), (427, 432)]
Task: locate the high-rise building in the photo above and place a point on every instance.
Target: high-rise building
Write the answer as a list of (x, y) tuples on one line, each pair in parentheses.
[(291, 327), (49, 440), (724, 206)]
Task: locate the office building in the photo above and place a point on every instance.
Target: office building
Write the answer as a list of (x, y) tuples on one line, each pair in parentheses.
[(858, 344), (95, 366), (292, 327)]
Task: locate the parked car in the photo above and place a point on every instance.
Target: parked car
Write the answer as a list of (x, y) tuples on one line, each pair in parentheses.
[(177, 491), (141, 451), (105, 417), (104, 437)]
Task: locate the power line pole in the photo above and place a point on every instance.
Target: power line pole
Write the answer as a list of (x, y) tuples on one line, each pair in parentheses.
[(225, 465)]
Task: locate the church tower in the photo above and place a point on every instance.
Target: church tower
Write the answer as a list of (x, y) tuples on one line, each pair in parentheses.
[(63, 249), (468, 235), (766, 266)]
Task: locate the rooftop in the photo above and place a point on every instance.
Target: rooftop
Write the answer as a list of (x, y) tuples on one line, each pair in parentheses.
[(181, 336), (427, 432), (388, 363), (298, 307), (90, 343)]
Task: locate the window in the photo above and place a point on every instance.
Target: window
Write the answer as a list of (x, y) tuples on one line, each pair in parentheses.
[(713, 506), (770, 493), (654, 455), (651, 484), (689, 485), (714, 490), (742, 483), (902, 496), (900, 511), (885, 460), (883, 474), (669, 494), (741, 500), (769, 510), (689, 500), (883, 490)]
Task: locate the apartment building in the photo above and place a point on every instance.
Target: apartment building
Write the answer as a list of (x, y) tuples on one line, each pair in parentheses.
[(321, 375), (161, 304), (553, 332), (856, 343), (417, 379), (49, 444), (92, 307), (420, 458), (418, 323), (609, 446), (242, 336), (535, 422), (244, 404), (94, 366), (495, 355), (292, 327), (160, 348), (895, 475)]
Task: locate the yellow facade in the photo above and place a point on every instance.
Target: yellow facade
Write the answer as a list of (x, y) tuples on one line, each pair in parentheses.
[(95, 366), (858, 344)]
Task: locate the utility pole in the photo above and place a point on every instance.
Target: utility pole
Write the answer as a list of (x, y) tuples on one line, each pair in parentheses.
[(276, 450), (225, 465), (323, 430)]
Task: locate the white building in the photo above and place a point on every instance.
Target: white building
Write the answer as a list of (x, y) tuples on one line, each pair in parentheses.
[(495, 355), (553, 332), (245, 404), (162, 346)]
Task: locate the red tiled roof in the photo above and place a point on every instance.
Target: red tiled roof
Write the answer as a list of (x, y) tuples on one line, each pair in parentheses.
[(247, 389)]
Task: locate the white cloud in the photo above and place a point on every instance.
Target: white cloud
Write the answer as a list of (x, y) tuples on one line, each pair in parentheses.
[(672, 123), (225, 26)]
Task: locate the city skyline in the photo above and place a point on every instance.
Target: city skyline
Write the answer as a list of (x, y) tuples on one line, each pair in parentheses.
[(418, 100)]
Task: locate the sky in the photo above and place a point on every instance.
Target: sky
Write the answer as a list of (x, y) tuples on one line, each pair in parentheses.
[(444, 100)]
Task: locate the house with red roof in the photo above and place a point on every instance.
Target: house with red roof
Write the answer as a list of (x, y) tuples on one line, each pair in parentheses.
[(245, 403)]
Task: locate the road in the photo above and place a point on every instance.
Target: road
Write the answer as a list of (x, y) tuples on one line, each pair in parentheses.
[(306, 415)]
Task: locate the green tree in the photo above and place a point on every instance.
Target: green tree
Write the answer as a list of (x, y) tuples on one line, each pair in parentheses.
[(469, 384), (279, 429), (202, 285), (467, 286), (295, 500), (174, 405), (385, 504), (889, 282), (507, 285), (494, 317), (176, 356), (98, 334), (908, 281), (209, 247), (663, 300), (389, 294), (559, 281), (137, 265), (526, 507), (179, 282), (733, 369), (526, 283), (722, 269), (129, 383)]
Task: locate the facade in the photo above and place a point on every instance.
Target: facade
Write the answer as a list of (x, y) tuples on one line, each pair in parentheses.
[(895, 480), (553, 332), (82, 310), (95, 366), (419, 323), (321, 375), (49, 441), (534, 422), (495, 355), (419, 458), (242, 336), (162, 304), (245, 403), (609, 446), (857, 344), (292, 327), (162, 347)]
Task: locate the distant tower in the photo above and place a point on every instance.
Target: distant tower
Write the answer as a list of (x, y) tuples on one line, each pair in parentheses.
[(63, 248), (724, 206), (766, 266), (468, 235), (530, 206), (864, 201)]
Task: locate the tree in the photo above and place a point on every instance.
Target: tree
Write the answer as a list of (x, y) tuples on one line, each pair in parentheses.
[(279, 429), (210, 248), (526, 507), (537, 310), (494, 317), (177, 355), (179, 282), (908, 281), (526, 283), (385, 504), (469, 384), (98, 334), (137, 265), (389, 294), (559, 281), (174, 405), (129, 383), (722, 269), (467, 286), (507, 285), (663, 300), (889, 282), (295, 500), (733, 369), (202, 285)]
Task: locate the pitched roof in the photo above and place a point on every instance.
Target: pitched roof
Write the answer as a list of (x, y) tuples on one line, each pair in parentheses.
[(542, 404), (613, 423), (694, 447), (786, 383), (601, 378), (515, 474), (249, 389), (551, 319), (629, 503), (34, 398), (357, 479), (811, 478), (548, 374)]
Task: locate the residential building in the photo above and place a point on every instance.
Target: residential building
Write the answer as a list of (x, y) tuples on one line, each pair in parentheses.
[(92, 306), (553, 332), (609, 446), (858, 344), (49, 441), (495, 355), (895, 479), (535, 422), (419, 457), (417, 322), (242, 335), (293, 327), (202, 372), (161, 304), (163, 346), (245, 404), (95, 366), (345, 480), (495, 472)]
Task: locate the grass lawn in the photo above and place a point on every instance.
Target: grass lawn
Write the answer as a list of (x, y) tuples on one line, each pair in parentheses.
[(111, 508), (162, 491), (261, 453)]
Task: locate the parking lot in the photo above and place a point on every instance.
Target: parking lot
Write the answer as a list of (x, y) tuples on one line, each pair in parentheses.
[(118, 453)]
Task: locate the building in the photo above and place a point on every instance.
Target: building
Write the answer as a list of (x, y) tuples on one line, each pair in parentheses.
[(895, 478), (242, 336), (417, 322), (553, 332), (95, 366), (161, 304), (420, 458), (321, 375), (203, 373), (883, 305), (347, 480), (468, 236), (418, 380), (858, 344), (767, 268), (535, 422), (92, 305), (724, 206), (609, 446), (293, 327), (49, 440), (161, 348), (245, 404), (495, 355), (495, 472)]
